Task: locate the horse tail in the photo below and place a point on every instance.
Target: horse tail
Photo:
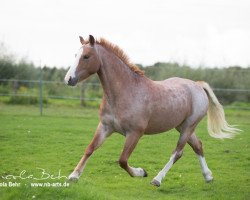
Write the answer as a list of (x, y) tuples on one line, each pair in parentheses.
[(216, 122)]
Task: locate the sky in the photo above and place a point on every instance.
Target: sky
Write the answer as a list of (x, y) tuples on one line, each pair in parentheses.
[(195, 32)]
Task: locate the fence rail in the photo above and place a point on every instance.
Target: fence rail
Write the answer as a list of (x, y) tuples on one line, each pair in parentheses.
[(231, 90)]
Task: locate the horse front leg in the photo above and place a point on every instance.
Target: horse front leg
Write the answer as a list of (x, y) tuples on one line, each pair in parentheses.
[(130, 144), (102, 132)]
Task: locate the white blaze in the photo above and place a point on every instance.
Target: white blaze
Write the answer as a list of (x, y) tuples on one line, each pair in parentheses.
[(72, 70)]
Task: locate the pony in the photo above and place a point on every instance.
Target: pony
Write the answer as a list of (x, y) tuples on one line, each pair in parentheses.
[(134, 105)]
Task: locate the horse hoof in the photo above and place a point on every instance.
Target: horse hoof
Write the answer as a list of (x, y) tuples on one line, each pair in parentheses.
[(208, 176), (209, 179), (155, 183), (145, 173), (73, 177)]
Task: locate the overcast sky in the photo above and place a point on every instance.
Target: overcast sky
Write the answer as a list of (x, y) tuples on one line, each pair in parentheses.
[(195, 32)]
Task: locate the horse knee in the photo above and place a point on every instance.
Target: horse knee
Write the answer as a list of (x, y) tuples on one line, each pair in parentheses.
[(196, 145), (198, 148), (177, 155), (89, 151)]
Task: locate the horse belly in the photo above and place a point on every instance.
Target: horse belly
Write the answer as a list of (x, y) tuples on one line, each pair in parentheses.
[(162, 123), (165, 118)]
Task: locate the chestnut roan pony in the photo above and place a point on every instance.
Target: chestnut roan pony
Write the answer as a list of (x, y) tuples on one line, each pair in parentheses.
[(134, 105)]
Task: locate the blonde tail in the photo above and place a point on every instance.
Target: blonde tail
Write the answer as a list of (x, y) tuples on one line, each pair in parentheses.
[(216, 122)]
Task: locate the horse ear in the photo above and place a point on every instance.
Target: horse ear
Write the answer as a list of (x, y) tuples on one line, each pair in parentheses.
[(81, 40), (91, 40)]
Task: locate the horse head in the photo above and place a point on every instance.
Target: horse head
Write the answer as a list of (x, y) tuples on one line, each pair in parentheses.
[(87, 62)]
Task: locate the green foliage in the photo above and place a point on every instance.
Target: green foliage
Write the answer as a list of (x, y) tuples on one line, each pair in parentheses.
[(4, 90), (53, 74), (21, 70), (7, 69), (25, 100), (24, 96)]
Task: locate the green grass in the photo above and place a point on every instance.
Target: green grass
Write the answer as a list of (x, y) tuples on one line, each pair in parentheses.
[(57, 140)]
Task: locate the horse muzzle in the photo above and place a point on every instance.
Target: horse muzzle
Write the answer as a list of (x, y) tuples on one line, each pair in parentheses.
[(72, 81)]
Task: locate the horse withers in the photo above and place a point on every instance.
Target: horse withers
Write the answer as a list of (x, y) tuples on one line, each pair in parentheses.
[(134, 105)]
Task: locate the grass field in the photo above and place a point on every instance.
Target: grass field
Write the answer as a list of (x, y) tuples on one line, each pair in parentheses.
[(57, 140)]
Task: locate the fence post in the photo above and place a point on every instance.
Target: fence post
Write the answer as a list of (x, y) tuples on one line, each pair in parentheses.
[(41, 90), (82, 95)]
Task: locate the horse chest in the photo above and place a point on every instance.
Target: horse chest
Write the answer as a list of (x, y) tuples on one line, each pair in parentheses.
[(121, 122), (114, 122)]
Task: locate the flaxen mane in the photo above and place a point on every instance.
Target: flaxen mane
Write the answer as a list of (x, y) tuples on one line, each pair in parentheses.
[(120, 54)]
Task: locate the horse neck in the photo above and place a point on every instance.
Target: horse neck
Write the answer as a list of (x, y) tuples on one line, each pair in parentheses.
[(114, 75)]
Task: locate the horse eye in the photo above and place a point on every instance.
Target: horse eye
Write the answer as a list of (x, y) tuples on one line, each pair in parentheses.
[(85, 57)]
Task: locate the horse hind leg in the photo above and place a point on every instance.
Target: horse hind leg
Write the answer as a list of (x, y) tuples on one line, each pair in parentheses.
[(196, 144), (176, 155)]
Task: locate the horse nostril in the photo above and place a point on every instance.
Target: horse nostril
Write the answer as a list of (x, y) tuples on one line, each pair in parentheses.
[(70, 80)]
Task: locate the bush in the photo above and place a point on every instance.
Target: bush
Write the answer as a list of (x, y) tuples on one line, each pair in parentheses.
[(4, 90), (25, 100)]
